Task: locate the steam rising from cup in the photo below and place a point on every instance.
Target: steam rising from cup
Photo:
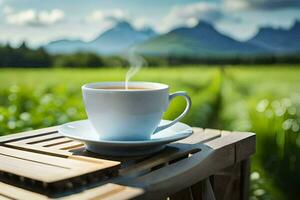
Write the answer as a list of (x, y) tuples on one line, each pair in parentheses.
[(136, 62)]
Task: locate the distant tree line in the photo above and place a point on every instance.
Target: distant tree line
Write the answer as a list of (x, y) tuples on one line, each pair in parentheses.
[(23, 56), (235, 59)]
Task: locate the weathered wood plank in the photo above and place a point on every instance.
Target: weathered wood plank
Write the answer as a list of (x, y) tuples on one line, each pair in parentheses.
[(69, 145), (34, 165), (172, 152), (38, 139), (29, 169), (54, 142), (4, 197), (58, 161), (27, 134), (107, 192), (165, 181), (175, 150), (200, 135), (245, 145), (19, 193), (39, 149), (225, 133)]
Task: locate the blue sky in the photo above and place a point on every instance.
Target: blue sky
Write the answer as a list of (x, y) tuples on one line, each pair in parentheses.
[(39, 22)]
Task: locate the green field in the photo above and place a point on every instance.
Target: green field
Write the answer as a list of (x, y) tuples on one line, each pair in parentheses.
[(262, 99)]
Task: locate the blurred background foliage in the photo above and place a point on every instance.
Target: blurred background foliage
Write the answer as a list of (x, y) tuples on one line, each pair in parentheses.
[(231, 98), (23, 56)]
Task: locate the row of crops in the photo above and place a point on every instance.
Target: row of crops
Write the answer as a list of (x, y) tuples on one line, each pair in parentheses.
[(271, 111), (227, 99)]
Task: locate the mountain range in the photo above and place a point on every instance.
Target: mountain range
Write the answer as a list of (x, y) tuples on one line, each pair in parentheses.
[(200, 40), (112, 41), (278, 40)]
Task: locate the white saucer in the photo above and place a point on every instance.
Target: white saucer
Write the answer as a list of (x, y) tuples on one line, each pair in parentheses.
[(84, 132)]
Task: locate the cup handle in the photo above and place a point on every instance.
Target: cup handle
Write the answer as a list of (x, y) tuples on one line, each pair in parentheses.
[(186, 110)]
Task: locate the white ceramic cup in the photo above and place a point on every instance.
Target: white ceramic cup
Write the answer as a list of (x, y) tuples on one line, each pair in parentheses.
[(122, 115)]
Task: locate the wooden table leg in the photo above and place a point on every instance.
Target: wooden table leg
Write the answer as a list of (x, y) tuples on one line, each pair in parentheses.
[(197, 190), (185, 194), (233, 182), (203, 190), (245, 179), (207, 193)]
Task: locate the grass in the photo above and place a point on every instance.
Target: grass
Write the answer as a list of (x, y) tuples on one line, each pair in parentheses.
[(266, 101), (262, 99), (77, 77)]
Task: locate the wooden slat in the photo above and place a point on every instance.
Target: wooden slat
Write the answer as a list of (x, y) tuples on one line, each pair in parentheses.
[(211, 131), (19, 193), (39, 149), (27, 134), (172, 152), (4, 198), (34, 170), (108, 192), (200, 135), (175, 177), (38, 139), (62, 162), (69, 145), (93, 160), (58, 150), (225, 133), (54, 142), (35, 165), (222, 142)]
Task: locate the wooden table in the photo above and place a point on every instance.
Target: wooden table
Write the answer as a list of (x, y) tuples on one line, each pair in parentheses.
[(41, 164)]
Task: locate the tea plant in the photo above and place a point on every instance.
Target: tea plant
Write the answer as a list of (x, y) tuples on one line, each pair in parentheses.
[(270, 108), (24, 109)]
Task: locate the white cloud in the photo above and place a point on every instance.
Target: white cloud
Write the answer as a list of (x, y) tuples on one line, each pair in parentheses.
[(7, 10), (33, 17), (140, 23), (189, 15), (51, 17), (99, 16), (110, 17), (259, 4), (226, 11), (191, 22), (235, 4)]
